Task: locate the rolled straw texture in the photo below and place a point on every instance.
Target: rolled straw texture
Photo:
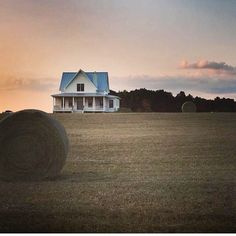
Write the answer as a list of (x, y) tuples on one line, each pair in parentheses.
[(189, 107), (33, 146)]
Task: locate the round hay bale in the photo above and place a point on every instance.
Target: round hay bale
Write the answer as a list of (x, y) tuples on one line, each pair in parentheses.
[(189, 107), (33, 146)]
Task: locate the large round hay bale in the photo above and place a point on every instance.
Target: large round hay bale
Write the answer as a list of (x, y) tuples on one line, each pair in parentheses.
[(189, 107), (33, 146)]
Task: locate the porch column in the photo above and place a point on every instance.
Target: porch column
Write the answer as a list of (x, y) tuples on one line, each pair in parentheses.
[(94, 103), (73, 103), (83, 103), (63, 103), (104, 103)]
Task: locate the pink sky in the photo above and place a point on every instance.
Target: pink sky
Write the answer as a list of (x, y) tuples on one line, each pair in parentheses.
[(171, 45)]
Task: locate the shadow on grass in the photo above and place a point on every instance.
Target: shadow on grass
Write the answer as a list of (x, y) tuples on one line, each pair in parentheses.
[(98, 220)]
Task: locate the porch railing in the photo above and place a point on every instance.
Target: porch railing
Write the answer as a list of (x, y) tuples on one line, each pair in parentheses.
[(70, 109)]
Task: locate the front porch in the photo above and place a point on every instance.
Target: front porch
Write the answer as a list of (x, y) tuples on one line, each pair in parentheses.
[(83, 104)]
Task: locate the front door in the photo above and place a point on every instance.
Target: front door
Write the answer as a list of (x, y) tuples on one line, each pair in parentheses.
[(79, 102)]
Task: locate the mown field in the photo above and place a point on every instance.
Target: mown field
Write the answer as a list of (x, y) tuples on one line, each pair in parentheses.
[(134, 172)]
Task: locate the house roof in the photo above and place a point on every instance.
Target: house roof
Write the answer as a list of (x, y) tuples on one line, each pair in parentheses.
[(66, 78), (99, 79)]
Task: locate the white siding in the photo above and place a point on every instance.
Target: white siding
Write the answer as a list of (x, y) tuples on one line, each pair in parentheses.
[(89, 87), (117, 103)]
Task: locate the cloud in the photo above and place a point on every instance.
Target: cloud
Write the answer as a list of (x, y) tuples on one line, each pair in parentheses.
[(218, 67), (195, 85), (12, 83)]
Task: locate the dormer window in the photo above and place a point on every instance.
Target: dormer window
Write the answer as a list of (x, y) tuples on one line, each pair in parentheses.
[(80, 87)]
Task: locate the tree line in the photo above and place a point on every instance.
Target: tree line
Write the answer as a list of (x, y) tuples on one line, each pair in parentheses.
[(143, 100)]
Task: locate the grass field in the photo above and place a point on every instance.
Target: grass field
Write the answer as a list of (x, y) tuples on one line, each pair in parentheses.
[(134, 172)]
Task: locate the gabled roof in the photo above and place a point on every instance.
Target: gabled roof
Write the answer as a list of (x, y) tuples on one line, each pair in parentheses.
[(66, 78), (99, 79)]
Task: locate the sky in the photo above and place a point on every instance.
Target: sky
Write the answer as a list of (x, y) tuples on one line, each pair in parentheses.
[(175, 45)]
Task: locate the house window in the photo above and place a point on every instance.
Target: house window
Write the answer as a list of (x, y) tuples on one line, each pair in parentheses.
[(101, 102), (80, 87), (90, 102), (70, 102), (111, 103)]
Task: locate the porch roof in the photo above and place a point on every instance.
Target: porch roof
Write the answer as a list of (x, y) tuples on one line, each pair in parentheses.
[(84, 95)]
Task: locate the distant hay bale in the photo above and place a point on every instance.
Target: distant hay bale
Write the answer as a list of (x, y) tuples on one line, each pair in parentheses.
[(189, 107), (33, 146)]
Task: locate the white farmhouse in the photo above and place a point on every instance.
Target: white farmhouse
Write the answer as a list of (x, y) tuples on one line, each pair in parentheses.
[(85, 92)]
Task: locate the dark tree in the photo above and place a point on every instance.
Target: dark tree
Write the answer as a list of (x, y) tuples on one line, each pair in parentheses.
[(143, 100)]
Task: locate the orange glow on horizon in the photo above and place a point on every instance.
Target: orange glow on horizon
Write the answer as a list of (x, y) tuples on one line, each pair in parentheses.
[(138, 43)]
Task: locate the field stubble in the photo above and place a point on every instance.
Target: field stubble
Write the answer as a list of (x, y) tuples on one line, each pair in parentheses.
[(134, 172)]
